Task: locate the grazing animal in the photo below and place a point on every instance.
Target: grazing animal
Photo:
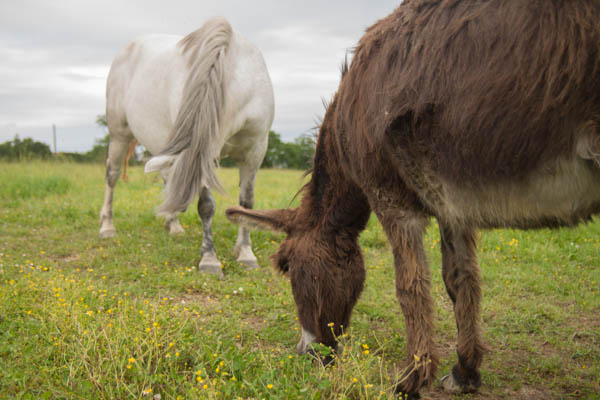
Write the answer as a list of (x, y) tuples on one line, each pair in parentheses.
[(189, 101), (481, 114)]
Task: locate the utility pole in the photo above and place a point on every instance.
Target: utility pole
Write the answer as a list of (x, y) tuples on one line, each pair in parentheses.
[(54, 137)]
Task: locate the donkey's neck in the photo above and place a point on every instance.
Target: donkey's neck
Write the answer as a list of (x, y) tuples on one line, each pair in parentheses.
[(332, 201)]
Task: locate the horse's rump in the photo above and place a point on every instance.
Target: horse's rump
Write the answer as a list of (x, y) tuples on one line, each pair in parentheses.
[(195, 139)]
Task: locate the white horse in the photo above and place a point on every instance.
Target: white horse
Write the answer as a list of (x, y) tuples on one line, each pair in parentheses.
[(190, 101)]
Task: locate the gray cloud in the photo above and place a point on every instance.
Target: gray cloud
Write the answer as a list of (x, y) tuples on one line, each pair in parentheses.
[(56, 55)]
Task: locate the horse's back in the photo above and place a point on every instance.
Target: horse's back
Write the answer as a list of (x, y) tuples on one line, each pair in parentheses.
[(144, 88), (146, 83)]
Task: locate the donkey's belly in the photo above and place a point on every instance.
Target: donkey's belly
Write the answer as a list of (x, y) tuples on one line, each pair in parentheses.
[(562, 194)]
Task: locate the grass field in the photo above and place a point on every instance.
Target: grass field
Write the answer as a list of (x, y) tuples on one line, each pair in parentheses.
[(131, 317)]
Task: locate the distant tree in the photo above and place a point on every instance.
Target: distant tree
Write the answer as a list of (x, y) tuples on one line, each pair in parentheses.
[(25, 149), (275, 152), (302, 152), (296, 155), (101, 120), (99, 152), (6, 150)]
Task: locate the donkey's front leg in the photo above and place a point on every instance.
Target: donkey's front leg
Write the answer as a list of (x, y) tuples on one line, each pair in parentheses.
[(243, 247), (461, 276), (405, 233), (206, 209)]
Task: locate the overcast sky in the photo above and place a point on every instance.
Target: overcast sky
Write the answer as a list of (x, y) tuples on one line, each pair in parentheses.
[(55, 55)]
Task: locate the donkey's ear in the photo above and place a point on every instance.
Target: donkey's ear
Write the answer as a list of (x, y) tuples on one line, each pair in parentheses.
[(270, 220)]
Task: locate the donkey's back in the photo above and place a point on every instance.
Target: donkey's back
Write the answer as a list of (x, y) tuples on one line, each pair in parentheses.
[(489, 112)]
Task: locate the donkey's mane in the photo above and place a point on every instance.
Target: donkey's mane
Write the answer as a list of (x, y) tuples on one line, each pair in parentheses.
[(479, 75)]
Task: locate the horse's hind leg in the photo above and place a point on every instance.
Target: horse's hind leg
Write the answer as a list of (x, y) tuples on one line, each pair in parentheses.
[(243, 247), (206, 209), (172, 224), (461, 276), (117, 148)]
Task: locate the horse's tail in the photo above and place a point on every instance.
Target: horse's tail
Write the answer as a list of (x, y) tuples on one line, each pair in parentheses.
[(196, 140)]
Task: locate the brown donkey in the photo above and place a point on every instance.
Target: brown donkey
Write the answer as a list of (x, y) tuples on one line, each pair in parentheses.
[(482, 114)]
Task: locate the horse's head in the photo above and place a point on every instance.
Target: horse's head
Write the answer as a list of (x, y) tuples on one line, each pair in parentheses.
[(325, 270)]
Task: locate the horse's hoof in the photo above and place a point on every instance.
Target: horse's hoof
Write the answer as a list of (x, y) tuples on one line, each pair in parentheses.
[(107, 233), (211, 265), (244, 255), (176, 229), (250, 264)]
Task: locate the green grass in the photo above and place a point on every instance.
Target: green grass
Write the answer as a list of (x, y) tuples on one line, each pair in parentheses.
[(85, 318)]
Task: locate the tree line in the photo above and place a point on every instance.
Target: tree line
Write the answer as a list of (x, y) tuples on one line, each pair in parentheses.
[(294, 155), (25, 149)]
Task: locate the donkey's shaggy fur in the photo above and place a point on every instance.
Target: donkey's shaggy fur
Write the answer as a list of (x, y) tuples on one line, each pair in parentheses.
[(481, 114)]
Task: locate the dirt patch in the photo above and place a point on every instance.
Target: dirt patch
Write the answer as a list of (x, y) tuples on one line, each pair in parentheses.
[(254, 323), (525, 393), (585, 327)]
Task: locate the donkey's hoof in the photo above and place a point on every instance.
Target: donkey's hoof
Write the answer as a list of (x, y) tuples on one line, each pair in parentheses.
[(408, 396), (210, 264), (465, 382), (250, 264), (326, 360), (107, 233), (452, 386)]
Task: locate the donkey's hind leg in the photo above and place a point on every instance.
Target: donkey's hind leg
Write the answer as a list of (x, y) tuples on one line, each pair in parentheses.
[(206, 209), (243, 247), (117, 148), (461, 276)]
